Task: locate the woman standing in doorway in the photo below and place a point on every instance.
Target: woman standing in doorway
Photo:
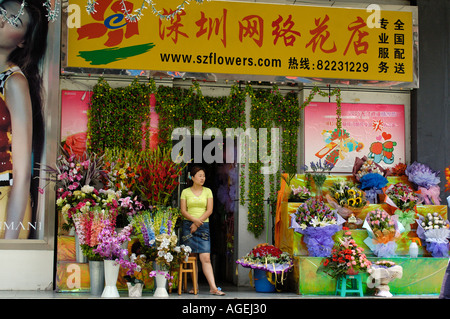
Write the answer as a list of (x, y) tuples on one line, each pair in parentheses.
[(196, 206), (23, 39)]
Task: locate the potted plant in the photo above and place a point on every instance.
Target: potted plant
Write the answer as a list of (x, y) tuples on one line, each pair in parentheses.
[(155, 231), (135, 266), (110, 249), (318, 175)]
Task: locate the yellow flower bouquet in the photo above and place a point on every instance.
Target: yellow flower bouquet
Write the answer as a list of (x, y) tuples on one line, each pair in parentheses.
[(347, 198)]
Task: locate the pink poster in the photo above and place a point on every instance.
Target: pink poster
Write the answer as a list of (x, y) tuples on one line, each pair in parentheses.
[(373, 130), (74, 107)]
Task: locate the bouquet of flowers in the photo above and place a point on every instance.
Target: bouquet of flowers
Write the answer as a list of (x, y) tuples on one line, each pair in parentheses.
[(300, 193), (434, 231), (269, 258), (426, 180), (403, 200), (383, 230), (318, 223), (398, 170), (365, 166), (447, 177), (130, 206), (89, 224), (110, 243), (120, 166), (346, 258), (371, 176), (78, 181), (155, 230), (157, 176), (346, 198)]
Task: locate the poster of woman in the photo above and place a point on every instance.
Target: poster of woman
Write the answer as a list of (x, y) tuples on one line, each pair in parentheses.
[(23, 39)]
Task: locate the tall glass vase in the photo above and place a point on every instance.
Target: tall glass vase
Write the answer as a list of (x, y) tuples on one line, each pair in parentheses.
[(96, 277), (111, 275)]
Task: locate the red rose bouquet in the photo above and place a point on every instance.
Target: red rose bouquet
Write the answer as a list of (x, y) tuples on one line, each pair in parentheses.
[(346, 258)]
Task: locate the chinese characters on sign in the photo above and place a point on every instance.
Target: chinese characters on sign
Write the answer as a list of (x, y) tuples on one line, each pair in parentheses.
[(250, 38)]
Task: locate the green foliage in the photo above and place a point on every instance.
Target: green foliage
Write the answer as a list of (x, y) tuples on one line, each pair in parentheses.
[(117, 116)]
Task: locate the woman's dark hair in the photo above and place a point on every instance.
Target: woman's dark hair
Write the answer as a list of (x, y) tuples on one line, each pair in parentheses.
[(192, 171), (29, 59)]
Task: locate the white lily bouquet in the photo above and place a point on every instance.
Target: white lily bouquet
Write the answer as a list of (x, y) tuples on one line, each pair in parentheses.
[(434, 231)]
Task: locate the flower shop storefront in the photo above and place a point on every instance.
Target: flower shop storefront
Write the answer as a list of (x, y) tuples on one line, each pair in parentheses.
[(344, 111)]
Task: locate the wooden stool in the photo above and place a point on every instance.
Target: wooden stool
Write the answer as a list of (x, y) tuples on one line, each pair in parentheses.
[(191, 267), (355, 285)]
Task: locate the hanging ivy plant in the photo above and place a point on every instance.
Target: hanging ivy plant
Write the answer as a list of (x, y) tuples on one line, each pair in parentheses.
[(335, 92), (118, 117)]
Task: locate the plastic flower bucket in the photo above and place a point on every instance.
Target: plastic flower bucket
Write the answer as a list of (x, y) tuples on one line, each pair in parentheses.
[(261, 282)]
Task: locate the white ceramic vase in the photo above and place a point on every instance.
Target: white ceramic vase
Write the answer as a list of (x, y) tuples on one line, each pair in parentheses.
[(161, 283), (135, 290), (111, 274)]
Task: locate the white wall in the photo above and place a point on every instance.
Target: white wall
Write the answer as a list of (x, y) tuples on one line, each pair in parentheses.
[(26, 270)]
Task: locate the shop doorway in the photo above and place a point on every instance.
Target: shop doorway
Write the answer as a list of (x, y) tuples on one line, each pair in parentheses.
[(222, 179)]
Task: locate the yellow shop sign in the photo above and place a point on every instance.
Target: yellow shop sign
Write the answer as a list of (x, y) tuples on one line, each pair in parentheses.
[(246, 38)]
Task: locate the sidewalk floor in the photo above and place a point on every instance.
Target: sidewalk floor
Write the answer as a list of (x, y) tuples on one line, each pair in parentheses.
[(232, 292)]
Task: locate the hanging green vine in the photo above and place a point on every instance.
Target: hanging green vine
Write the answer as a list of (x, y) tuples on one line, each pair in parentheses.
[(335, 92), (116, 116), (260, 117)]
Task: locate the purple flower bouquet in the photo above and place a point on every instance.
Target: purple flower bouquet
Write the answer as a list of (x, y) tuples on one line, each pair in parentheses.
[(317, 223), (426, 180)]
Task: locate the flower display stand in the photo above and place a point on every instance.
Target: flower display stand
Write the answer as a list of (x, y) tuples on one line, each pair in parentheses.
[(422, 275), (355, 286)]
